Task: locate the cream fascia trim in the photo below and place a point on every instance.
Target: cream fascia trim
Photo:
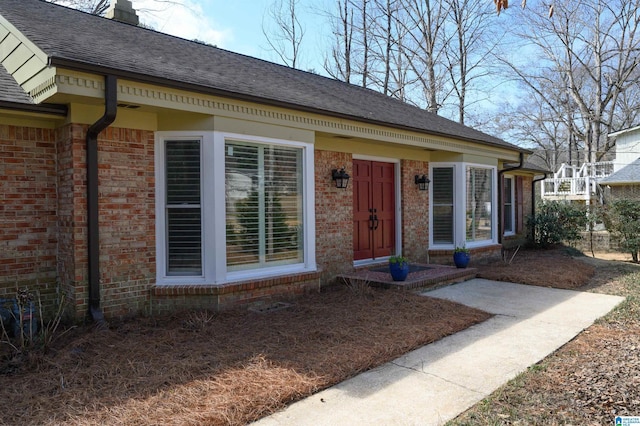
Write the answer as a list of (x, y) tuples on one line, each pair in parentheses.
[(70, 82)]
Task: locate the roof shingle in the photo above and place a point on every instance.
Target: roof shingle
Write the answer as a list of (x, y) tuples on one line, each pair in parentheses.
[(628, 174), (10, 91)]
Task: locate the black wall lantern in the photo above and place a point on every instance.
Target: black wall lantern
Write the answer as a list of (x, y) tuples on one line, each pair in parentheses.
[(340, 177), (422, 182)]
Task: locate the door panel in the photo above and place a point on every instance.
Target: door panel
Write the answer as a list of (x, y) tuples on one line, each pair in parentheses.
[(373, 209), (384, 203), (362, 238)]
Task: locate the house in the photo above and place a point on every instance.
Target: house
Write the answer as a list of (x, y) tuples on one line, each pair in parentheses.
[(624, 182), (141, 172), (603, 180)]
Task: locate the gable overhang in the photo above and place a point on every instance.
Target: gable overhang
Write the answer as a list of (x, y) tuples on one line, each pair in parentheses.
[(22, 59)]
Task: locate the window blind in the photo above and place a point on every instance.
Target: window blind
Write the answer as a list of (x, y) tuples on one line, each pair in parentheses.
[(263, 185), (442, 198), (183, 208)]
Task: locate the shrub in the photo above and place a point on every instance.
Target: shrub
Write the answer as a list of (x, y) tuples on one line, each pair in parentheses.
[(622, 220), (557, 221)]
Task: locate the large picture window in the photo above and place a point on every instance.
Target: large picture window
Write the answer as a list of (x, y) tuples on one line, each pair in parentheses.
[(232, 207), (263, 205)]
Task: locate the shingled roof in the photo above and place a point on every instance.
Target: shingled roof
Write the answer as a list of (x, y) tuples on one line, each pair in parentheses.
[(81, 41), (10, 91), (629, 174)]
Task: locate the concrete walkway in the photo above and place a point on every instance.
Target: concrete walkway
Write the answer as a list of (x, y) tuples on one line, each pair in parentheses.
[(435, 383)]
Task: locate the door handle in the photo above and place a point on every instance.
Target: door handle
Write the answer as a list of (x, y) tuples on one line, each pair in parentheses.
[(375, 222), (371, 222)]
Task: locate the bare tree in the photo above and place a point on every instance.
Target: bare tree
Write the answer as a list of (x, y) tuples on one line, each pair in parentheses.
[(338, 62), (284, 31), (592, 47), (95, 7), (471, 38), (425, 47)]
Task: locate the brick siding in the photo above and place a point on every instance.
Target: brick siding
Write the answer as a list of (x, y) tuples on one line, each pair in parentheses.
[(334, 216), (127, 218), (44, 225), (415, 212), (28, 221)]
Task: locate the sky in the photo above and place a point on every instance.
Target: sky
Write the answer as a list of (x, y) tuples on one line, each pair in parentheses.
[(235, 25)]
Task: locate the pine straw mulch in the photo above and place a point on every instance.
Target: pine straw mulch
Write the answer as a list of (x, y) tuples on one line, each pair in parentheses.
[(591, 379), (228, 368), (554, 267)]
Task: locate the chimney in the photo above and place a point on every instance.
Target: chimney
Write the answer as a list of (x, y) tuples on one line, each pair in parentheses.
[(123, 11)]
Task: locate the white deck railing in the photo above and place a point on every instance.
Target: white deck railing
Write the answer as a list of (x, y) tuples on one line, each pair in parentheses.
[(576, 182)]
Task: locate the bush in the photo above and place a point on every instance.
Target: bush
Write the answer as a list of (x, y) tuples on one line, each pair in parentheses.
[(622, 220), (557, 222)]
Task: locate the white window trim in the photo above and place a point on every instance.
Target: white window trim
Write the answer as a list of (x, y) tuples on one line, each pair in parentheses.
[(214, 212), (513, 206), (460, 206)]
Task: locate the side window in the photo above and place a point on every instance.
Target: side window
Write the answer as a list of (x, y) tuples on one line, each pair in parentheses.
[(443, 203), (183, 207), (508, 209)]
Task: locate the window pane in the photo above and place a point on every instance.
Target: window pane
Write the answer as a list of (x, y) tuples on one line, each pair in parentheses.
[(263, 205), (479, 190), (184, 241), (443, 218), (442, 193), (183, 172), (508, 205), (283, 204), (184, 217)]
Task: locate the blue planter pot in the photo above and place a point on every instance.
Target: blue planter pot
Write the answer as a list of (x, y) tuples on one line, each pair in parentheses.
[(461, 259), (399, 271)]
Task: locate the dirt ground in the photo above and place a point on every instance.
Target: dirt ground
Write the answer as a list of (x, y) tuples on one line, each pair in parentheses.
[(590, 380), (235, 367)]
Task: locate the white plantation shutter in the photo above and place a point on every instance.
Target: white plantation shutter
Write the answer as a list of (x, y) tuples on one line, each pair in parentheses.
[(479, 198), (263, 205), (183, 207), (442, 196), (508, 205)]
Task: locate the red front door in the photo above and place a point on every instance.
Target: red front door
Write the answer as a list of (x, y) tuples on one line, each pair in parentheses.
[(374, 203)]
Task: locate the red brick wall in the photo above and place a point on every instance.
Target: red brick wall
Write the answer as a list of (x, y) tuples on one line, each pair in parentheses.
[(334, 216), (415, 212), (127, 218), (72, 251), (28, 210)]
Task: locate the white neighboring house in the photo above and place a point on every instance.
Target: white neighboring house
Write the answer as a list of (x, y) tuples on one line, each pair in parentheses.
[(586, 182)]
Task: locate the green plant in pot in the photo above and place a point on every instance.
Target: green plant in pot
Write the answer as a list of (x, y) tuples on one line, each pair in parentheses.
[(461, 256), (398, 268)]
